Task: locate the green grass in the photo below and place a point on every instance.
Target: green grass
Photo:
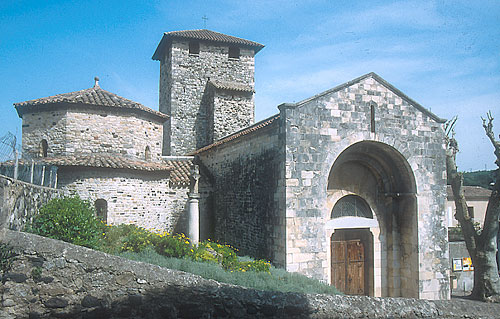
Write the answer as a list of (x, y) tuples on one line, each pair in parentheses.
[(276, 280)]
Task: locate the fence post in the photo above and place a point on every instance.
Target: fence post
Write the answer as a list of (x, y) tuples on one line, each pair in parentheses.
[(43, 175), (32, 171), (16, 166)]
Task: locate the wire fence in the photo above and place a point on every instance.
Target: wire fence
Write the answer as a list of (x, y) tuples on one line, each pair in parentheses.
[(23, 166)]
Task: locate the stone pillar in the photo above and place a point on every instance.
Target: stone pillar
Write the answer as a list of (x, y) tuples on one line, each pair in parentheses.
[(194, 218), (193, 207)]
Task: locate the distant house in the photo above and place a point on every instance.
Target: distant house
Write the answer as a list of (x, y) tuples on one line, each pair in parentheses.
[(477, 200), (462, 270)]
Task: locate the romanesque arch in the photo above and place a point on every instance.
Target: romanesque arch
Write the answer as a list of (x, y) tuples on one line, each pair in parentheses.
[(378, 175)]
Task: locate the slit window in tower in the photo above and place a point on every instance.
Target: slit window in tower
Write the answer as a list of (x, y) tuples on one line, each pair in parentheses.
[(194, 47), (372, 118)]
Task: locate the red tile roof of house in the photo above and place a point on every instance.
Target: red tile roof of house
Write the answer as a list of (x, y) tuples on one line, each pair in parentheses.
[(246, 131), (181, 171), (105, 161), (94, 96), (471, 192), (204, 35)]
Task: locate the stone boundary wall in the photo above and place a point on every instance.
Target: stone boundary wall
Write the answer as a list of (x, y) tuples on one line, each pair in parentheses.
[(19, 201), (53, 279)]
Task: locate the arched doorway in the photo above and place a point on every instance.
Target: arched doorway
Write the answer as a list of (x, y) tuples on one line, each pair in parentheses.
[(377, 180)]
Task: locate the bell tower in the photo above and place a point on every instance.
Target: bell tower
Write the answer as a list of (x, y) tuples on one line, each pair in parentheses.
[(206, 87)]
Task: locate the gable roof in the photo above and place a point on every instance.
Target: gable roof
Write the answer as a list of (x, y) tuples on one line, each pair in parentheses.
[(203, 35), (381, 81), (471, 192), (235, 136), (94, 96)]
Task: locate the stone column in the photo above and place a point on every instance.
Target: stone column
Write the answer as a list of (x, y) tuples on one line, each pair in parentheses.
[(194, 218), (193, 207)]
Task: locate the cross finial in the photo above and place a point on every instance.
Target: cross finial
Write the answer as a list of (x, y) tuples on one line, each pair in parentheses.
[(205, 20)]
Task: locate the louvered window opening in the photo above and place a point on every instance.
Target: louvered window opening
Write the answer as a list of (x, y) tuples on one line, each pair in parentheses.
[(351, 205)]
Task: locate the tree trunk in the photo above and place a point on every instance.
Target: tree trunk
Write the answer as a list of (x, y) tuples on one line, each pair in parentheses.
[(482, 245)]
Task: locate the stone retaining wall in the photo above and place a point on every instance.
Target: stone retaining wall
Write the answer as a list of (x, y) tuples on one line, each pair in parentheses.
[(19, 201), (53, 279)]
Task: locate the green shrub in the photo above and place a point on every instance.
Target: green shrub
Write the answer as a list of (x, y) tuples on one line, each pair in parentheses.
[(176, 245), (137, 239), (208, 251), (70, 219), (115, 237), (275, 280), (256, 266)]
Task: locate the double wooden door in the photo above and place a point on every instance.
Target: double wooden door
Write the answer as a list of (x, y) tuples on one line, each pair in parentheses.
[(348, 266)]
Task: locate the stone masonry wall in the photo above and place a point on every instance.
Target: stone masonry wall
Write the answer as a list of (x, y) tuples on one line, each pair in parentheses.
[(53, 279), (86, 130), (233, 111), (19, 201), (319, 129), (246, 178), (142, 198), (183, 79)]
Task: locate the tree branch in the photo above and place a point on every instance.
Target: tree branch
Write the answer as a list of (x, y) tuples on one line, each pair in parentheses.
[(490, 228), (455, 178), (488, 128)]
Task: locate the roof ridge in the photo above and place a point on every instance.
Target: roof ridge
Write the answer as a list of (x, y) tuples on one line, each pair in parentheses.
[(203, 35), (95, 96), (381, 81), (243, 132)]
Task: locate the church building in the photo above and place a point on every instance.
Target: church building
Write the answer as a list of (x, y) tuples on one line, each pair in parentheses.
[(347, 186)]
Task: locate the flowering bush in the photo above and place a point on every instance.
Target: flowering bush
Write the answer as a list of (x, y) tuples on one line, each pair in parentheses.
[(137, 239), (256, 265), (70, 219), (208, 251), (176, 245)]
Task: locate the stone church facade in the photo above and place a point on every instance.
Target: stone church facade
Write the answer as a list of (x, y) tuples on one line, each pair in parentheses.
[(347, 186)]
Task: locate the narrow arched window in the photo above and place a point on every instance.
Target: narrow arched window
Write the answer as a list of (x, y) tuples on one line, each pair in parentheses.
[(101, 209), (147, 153), (44, 147), (372, 118), (351, 205)]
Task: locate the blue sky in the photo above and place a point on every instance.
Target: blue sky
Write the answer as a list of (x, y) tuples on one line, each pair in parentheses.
[(443, 54)]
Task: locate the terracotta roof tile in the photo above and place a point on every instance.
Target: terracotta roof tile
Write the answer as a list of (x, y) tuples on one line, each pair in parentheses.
[(93, 96), (105, 161), (257, 126), (470, 192), (231, 86), (206, 35), (181, 171)]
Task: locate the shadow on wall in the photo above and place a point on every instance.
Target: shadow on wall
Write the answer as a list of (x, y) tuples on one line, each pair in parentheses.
[(184, 302)]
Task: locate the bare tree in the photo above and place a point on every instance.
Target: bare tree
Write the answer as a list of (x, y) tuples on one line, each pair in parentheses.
[(481, 243)]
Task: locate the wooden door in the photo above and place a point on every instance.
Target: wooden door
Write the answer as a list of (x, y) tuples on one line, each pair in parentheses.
[(348, 266)]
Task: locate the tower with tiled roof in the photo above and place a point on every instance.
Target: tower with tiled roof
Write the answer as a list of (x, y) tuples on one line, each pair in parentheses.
[(90, 121), (206, 87)]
